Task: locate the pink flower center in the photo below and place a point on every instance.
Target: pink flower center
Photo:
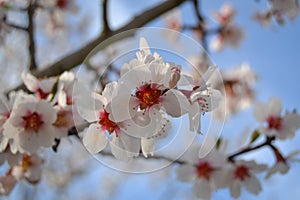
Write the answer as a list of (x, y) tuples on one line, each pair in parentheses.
[(62, 3), (241, 172), (107, 124), (148, 95), (41, 94), (32, 121), (274, 122), (204, 170)]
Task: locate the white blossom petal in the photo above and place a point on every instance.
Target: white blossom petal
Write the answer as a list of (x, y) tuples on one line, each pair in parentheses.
[(175, 103), (94, 139), (186, 173)]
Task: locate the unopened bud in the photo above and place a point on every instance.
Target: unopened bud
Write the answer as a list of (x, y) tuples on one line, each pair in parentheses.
[(175, 76)]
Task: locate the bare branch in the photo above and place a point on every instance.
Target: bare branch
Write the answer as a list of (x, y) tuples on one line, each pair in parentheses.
[(30, 29), (104, 16), (72, 60)]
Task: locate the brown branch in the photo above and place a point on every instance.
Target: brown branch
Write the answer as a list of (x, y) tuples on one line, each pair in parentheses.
[(106, 27), (76, 58), (267, 142), (30, 29)]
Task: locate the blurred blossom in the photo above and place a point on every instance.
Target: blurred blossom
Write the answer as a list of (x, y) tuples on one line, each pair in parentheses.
[(238, 84), (230, 35), (172, 21), (273, 122), (225, 15)]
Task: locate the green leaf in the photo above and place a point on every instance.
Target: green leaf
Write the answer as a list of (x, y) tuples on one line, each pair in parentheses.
[(219, 142), (255, 136)]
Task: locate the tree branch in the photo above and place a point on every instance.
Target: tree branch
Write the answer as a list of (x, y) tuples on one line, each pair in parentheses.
[(30, 29), (106, 27), (72, 60), (267, 142)]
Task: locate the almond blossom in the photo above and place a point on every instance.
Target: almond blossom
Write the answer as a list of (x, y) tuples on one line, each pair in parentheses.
[(280, 8), (206, 173), (225, 15), (30, 124), (282, 164), (42, 87), (230, 35), (29, 168), (64, 102), (274, 124), (145, 86), (93, 108), (242, 173)]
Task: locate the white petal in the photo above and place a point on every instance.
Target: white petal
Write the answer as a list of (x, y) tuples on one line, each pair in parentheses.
[(275, 107), (252, 185), (261, 112), (94, 139), (124, 147), (175, 103), (46, 136), (48, 113), (186, 173), (206, 76), (30, 81), (46, 85), (144, 124), (292, 121), (144, 46), (108, 90), (148, 146), (195, 118), (203, 189), (89, 106), (235, 189)]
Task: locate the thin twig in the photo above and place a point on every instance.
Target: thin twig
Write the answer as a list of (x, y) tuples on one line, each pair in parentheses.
[(267, 142)]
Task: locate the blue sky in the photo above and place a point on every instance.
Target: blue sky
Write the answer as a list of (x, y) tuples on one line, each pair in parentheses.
[(273, 53)]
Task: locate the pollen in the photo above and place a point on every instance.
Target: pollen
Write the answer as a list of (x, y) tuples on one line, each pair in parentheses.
[(241, 172), (32, 121), (106, 123), (26, 162), (204, 170), (148, 95), (61, 120)]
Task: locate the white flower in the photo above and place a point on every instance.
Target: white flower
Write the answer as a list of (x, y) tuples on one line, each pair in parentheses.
[(225, 15), (7, 183), (230, 35), (282, 164), (203, 99), (66, 116), (205, 174), (93, 108), (238, 84), (144, 86), (279, 8), (42, 87), (172, 20), (30, 124), (242, 173), (29, 168), (264, 18), (275, 124)]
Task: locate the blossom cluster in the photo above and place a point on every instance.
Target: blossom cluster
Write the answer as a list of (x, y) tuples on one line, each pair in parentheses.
[(219, 170), (31, 122), (133, 113), (130, 115)]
